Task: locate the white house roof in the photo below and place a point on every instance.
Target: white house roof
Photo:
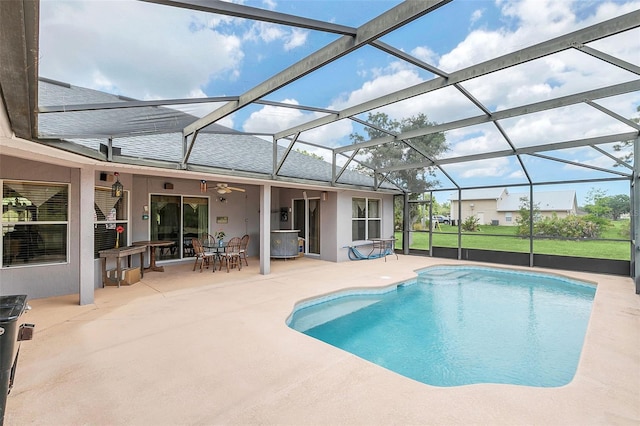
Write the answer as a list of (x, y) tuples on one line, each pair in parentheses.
[(479, 194), (544, 201)]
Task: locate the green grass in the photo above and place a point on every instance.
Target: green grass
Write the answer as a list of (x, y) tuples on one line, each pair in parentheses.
[(503, 238)]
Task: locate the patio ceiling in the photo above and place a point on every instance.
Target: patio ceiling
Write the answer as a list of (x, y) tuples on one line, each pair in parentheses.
[(468, 85)]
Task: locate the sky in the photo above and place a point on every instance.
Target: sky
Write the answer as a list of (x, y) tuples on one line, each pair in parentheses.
[(148, 51)]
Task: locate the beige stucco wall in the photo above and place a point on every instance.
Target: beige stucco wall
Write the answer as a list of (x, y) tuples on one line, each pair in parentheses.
[(484, 210)]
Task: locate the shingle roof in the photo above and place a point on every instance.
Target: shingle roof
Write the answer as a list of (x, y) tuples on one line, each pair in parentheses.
[(226, 151), (543, 201), (479, 194)]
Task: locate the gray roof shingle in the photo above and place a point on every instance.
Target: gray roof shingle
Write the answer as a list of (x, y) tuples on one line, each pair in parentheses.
[(155, 133)]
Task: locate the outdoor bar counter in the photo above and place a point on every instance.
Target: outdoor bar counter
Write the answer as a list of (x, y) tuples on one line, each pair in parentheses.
[(284, 243)]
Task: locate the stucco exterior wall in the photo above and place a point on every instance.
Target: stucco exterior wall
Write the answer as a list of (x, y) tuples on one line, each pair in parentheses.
[(241, 209), (38, 281), (484, 210), (343, 217)]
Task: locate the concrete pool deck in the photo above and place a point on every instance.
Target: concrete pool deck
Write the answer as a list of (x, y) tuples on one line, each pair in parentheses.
[(191, 348)]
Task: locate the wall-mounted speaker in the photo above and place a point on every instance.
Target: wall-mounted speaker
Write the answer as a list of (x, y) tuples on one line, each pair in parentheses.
[(168, 185)]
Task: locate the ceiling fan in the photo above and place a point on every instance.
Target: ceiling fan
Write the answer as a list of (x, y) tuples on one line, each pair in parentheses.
[(223, 188)]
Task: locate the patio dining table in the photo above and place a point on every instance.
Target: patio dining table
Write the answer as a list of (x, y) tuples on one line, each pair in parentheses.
[(152, 252), (218, 248)]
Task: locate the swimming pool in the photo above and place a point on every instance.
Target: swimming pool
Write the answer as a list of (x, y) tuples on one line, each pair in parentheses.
[(455, 326)]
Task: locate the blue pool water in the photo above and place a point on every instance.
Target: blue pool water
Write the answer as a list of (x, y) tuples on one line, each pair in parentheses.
[(460, 325)]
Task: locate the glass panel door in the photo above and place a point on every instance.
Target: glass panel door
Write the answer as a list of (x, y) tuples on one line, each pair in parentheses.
[(299, 220), (165, 223), (195, 223), (306, 218), (314, 226)]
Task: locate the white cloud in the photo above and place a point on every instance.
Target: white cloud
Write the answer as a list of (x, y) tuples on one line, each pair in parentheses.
[(269, 33), (474, 140), (476, 15), (272, 119), (425, 54), (385, 81), (270, 4), (481, 169), (265, 32), (169, 53), (295, 39)]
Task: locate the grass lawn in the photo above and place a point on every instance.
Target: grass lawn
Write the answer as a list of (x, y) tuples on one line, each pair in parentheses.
[(503, 238)]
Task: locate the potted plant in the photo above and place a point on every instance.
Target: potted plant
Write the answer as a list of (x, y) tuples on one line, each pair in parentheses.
[(220, 237)]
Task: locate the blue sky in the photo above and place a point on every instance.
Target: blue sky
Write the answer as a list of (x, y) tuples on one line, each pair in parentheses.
[(147, 51)]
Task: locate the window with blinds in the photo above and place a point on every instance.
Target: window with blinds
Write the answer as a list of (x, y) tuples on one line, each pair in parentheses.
[(365, 218), (35, 223), (110, 215)]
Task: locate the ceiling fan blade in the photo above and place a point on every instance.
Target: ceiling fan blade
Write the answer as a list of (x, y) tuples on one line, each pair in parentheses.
[(235, 189)]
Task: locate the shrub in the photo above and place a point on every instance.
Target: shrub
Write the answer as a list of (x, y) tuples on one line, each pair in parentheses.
[(573, 227), (471, 224), (625, 229)]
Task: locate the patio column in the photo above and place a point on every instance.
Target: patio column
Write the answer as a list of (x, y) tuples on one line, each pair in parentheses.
[(635, 211), (86, 234), (265, 229)]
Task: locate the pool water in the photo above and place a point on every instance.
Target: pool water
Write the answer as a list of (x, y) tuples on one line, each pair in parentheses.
[(461, 325)]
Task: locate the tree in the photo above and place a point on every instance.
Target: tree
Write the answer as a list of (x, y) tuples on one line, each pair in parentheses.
[(524, 213), (398, 152), (622, 145), (618, 205), (310, 154), (597, 204)]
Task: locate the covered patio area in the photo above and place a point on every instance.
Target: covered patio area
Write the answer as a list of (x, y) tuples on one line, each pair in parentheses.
[(184, 347)]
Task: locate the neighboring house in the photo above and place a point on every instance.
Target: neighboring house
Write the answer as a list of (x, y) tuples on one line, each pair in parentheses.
[(481, 203), (498, 206)]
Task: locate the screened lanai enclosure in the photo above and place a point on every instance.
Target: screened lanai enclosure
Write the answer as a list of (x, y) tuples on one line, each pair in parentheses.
[(520, 143)]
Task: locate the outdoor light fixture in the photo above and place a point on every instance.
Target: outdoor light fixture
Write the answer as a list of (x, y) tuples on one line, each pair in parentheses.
[(116, 188), (203, 186)]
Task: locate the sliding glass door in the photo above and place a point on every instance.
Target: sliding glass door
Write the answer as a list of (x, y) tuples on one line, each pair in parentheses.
[(178, 219), (306, 219), (195, 223)]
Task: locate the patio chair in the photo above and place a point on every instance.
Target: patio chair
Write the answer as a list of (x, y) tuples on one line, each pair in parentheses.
[(207, 240), (188, 248), (244, 243), (231, 254), (205, 258)]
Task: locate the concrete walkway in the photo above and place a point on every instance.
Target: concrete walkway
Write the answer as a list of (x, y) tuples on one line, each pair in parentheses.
[(190, 348)]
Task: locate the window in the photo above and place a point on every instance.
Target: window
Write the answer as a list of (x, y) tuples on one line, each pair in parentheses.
[(109, 213), (366, 218), (507, 217), (35, 223)]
